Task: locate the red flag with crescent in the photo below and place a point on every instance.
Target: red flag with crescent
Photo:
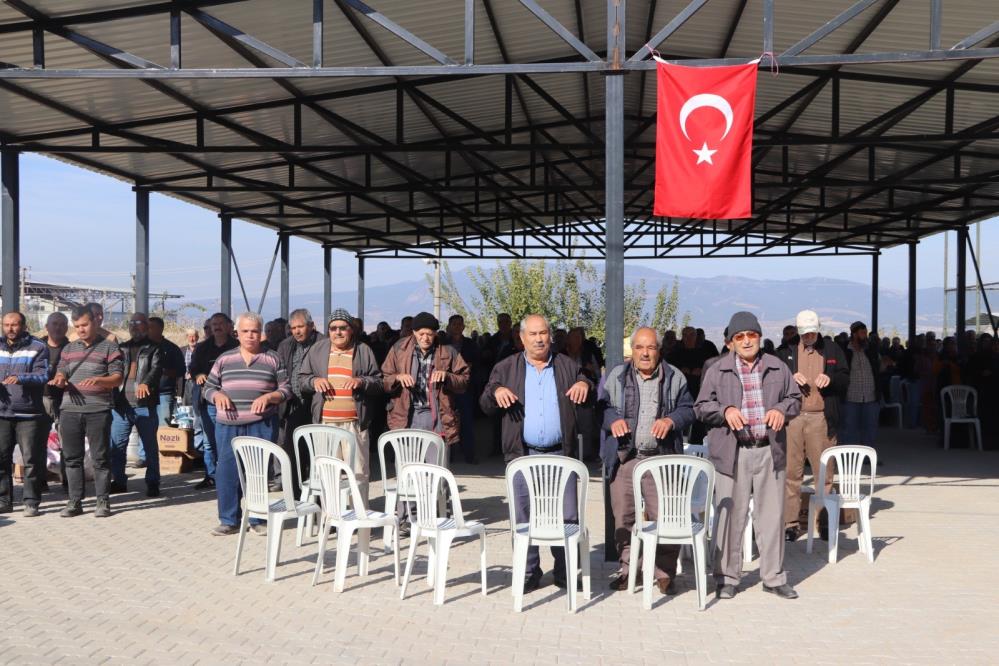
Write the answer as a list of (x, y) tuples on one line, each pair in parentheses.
[(704, 141)]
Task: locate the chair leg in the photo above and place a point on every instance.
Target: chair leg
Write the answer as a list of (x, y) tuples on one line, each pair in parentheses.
[(482, 562), (571, 557), (832, 511), (648, 571), (946, 434), (700, 570), (363, 551), (432, 557), (633, 551), (395, 557), (865, 523), (584, 559), (978, 434), (324, 533), (414, 540), (810, 529), (440, 582), (520, 544), (274, 532), (344, 533), (243, 524), (389, 529)]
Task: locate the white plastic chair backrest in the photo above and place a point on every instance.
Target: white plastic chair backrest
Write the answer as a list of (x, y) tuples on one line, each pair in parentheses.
[(676, 478), (410, 445), (963, 401), (253, 457), (699, 450), (895, 389), (325, 440), (547, 477), (425, 482), (332, 473), (849, 464)]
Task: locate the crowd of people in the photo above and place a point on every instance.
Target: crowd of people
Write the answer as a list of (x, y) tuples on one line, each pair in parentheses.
[(762, 410)]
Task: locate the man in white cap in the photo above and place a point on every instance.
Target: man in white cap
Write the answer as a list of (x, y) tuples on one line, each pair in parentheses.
[(822, 374)]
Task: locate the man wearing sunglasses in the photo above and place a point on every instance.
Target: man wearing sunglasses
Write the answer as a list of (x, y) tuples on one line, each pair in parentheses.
[(346, 383), (746, 399)]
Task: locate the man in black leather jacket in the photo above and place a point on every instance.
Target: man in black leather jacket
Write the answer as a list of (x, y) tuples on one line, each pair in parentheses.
[(135, 403)]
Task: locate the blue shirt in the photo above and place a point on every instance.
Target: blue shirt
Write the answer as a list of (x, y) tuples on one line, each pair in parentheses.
[(542, 423)]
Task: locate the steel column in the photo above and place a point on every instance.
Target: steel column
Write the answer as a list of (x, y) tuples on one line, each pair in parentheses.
[(285, 240), (11, 232), (327, 286), (961, 288), (225, 267), (874, 293), (360, 287), (912, 291), (142, 251)]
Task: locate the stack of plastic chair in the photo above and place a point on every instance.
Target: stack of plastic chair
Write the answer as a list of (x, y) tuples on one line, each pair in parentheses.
[(427, 483), (409, 445), (963, 409), (331, 473), (320, 440), (849, 463), (547, 477), (675, 478), (253, 457)]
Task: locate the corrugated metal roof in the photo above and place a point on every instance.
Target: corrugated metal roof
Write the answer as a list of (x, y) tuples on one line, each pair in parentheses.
[(564, 109)]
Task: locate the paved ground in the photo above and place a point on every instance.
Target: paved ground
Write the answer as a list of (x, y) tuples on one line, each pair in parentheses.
[(149, 585)]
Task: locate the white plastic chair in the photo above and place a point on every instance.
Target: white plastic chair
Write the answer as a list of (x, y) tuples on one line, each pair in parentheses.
[(849, 463), (894, 388), (425, 481), (331, 472), (702, 504), (410, 445), (675, 478), (547, 477), (963, 409), (320, 440), (253, 457)]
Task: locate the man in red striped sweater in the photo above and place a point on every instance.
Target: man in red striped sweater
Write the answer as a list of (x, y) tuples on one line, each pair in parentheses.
[(246, 385)]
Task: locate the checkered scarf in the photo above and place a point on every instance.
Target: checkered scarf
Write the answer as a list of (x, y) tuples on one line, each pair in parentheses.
[(752, 409)]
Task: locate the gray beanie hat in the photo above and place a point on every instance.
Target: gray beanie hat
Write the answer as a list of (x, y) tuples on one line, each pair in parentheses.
[(742, 321)]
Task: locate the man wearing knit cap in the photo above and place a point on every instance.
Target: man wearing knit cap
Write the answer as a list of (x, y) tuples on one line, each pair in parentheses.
[(346, 384), (746, 399), (421, 378), (821, 372)]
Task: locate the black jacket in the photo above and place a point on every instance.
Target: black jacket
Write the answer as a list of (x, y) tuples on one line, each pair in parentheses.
[(835, 367), (148, 361), (874, 358)]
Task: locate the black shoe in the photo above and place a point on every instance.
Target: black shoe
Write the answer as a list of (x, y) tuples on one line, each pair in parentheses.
[(532, 582), (561, 583), (792, 533), (30, 510), (404, 529), (784, 591), (71, 509), (725, 592), (102, 508), (118, 488), (5, 507), (619, 582), (205, 484), (152, 490)]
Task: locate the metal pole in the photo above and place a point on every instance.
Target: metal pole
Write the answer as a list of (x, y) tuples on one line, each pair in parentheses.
[(946, 257), (961, 288), (874, 294), (912, 291), (142, 251), (360, 287), (225, 267), (437, 289), (614, 216), (10, 211), (327, 285), (978, 292), (285, 297)]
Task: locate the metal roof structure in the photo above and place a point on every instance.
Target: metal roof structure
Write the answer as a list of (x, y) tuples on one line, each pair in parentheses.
[(511, 128)]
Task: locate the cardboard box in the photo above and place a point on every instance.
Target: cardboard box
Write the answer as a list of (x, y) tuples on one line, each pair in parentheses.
[(175, 440), (175, 463)]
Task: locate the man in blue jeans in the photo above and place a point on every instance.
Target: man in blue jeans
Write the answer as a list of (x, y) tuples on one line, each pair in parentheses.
[(202, 359), (862, 406), (134, 403)]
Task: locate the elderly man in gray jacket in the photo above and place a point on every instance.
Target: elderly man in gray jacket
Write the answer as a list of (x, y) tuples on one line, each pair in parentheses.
[(746, 399)]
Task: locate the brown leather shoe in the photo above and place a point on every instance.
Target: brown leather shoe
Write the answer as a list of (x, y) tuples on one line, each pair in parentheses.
[(665, 585)]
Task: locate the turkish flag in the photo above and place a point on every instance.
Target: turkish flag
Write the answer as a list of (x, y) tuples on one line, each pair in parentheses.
[(704, 141)]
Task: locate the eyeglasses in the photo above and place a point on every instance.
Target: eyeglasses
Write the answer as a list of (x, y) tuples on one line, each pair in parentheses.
[(338, 328), (746, 335)]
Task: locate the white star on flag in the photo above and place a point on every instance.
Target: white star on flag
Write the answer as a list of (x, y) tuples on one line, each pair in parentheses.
[(704, 154)]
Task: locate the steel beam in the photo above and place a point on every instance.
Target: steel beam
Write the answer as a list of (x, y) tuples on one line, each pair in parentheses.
[(874, 293), (225, 266), (360, 287), (142, 251), (961, 292), (912, 291), (10, 230), (327, 287), (285, 241)]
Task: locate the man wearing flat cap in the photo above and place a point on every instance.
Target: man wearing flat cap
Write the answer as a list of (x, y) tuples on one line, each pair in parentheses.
[(345, 382), (745, 400), (820, 371)]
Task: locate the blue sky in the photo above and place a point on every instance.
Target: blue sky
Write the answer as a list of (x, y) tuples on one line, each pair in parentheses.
[(78, 227)]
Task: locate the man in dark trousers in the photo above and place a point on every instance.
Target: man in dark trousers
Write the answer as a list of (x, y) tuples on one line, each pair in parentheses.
[(297, 411), (536, 394)]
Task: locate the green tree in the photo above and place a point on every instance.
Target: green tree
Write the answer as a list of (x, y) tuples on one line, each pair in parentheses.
[(667, 307)]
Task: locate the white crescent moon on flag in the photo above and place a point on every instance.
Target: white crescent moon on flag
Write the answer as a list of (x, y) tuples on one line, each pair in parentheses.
[(706, 99)]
